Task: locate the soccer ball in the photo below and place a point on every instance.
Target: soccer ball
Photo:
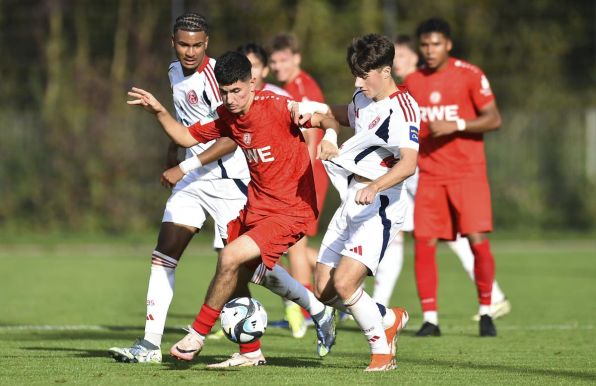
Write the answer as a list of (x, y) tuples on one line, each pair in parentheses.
[(243, 320)]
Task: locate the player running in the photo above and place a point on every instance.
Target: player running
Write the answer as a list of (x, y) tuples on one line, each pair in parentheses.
[(219, 188), (368, 172), (281, 198)]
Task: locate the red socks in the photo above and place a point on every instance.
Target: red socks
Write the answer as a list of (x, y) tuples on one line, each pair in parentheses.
[(484, 271), (425, 267), (250, 347), (205, 320)]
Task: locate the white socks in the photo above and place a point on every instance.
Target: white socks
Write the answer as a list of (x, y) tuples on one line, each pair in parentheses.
[(389, 270), (461, 247), (159, 295), (431, 317), (366, 313), (279, 281)]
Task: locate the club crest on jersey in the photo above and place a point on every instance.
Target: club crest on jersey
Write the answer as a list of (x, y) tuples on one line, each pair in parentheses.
[(247, 138), (414, 134), (435, 97), (374, 122), (192, 97)]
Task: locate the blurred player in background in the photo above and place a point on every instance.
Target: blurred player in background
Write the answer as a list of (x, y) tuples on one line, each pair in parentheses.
[(285, 59), (453, 196), (281, 201), (405, 63), (368, 172), (260, 69)]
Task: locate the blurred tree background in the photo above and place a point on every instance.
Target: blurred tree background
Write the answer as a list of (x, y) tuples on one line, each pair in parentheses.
[(73, 156)]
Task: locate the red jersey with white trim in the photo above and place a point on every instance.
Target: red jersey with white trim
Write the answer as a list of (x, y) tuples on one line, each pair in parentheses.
[(196, 97), (304, 88), (280, 170), (457, 91)]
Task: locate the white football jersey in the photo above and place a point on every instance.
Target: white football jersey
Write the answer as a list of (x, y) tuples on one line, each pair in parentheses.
[(382, 128), (196, 97)]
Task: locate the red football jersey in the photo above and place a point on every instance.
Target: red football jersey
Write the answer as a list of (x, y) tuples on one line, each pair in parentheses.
[(280, 170), (457, 91), (304, 88)]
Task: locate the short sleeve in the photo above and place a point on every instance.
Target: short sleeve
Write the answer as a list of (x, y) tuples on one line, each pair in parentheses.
[(207, 131), (403, 135), (479, 89)]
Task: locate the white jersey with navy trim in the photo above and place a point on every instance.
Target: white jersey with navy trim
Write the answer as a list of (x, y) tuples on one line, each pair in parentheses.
[(196, 97), (382, 128)]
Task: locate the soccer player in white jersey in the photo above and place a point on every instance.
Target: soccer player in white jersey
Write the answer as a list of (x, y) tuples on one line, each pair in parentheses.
[(405, 63), (203, 185), (368, 172)]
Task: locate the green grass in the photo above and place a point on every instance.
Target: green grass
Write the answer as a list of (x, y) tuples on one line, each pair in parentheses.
[(96, 289)]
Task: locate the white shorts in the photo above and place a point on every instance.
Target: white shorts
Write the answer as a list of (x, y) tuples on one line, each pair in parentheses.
[(363, 232), (411, 184), (193, 199)]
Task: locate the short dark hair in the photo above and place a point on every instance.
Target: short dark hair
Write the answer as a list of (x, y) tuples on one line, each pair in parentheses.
[(405, 40), (370, 52), (232, 67), (256, 50), (192, 22), (285, 41), (434, 24)]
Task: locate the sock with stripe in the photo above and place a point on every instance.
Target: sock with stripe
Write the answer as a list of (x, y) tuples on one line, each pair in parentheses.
[(159, 295), (366, 314)]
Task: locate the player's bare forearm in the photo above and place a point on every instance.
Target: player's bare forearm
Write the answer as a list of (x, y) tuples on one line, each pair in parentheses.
[(488, 119), (174, 129), (172, 155), (340, 112), (221, 147), (403, 169)]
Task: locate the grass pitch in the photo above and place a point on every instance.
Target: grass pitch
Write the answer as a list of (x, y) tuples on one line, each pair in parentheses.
[(63, 304)]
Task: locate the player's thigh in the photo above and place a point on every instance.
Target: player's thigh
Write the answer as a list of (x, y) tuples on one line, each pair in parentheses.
[(472, 204), (275, 234), (184, 206), (432, 213)]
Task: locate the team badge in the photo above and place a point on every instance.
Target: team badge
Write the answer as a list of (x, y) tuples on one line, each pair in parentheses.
[(374, 122), (192, 97), (247, 138), (414, 134), (435, 97)]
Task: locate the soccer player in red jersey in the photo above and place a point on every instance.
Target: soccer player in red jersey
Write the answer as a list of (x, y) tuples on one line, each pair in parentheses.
[(281, 199), (457, 107), (285, 62)]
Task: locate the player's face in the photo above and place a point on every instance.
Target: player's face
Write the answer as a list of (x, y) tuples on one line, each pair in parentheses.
[(435, 49), (285, 65), (238, 96), (376, 84), (190, 48), (258, 70), (404, 62)]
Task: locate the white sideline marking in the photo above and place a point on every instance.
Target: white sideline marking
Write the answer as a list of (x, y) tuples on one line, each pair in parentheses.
[(82, 327)]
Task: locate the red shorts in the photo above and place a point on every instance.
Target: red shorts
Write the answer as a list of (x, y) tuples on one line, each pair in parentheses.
[(442, 211), (321, 187), (273, 233)]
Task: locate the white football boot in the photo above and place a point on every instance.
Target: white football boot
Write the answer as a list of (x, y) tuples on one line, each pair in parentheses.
[(140, 352)]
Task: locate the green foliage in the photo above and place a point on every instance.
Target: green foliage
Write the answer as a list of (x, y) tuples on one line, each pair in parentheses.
[(75, 157)]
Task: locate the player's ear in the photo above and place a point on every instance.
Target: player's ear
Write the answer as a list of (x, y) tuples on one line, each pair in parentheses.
[(297, 58), (206, 42), (265, 72), (449, 45), (173, 41), (386, 72)]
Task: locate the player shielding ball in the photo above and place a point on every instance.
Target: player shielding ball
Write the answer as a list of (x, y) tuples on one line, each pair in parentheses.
[(281, 199), (368, 172)]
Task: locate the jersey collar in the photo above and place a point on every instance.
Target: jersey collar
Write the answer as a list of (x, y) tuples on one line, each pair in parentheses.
[(203, 65)]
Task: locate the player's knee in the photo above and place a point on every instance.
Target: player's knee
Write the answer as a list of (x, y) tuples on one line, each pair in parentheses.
[(344, 287), (228, 261)]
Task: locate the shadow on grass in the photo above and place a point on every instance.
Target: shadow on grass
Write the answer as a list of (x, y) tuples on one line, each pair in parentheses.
[(576, 375)]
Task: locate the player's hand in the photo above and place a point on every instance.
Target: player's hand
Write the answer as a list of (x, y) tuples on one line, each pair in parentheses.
[(440, 128), (327, 150), (366, 196), (145, 99), (170, 177), (298, 118)]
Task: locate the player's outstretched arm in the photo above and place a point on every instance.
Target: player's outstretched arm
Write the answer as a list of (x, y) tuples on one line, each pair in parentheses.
[(174, 129), (327, 149), (403, 169), (340, 112)]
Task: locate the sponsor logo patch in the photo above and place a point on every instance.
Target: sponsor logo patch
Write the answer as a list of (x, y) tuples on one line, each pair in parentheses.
[(435, 97), (414, 134), (374, 122), (247, 138)]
